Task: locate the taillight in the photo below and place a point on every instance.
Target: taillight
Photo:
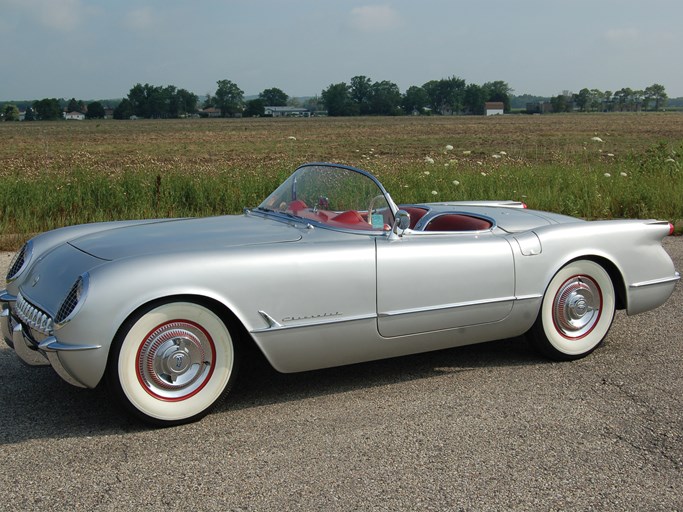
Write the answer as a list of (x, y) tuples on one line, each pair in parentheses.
[(671, 229), (524, 205)]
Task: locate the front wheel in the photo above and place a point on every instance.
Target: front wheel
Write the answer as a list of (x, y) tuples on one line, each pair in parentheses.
[(172, 362), (577, 311)]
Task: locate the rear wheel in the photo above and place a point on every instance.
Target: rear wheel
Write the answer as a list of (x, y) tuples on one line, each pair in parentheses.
[(172, 362), (576, 313)]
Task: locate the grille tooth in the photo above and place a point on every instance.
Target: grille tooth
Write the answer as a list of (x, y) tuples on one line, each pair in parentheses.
[(32, 316)]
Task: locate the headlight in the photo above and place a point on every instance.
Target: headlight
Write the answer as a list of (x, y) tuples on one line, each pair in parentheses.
[(73, 299), (19, 261)]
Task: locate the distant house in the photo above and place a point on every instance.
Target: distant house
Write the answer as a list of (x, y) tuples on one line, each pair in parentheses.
[(210, 112), (494, 108), (286, 112), (74, 116), (108, 113)]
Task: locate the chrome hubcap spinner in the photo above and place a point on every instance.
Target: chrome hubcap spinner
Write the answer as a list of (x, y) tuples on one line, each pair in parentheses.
[(577, 305), (175, 360)]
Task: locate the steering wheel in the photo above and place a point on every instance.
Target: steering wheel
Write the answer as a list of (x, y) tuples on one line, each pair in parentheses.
[(371, 207)]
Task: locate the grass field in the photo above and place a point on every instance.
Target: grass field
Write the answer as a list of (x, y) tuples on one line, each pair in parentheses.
[(61, 173)]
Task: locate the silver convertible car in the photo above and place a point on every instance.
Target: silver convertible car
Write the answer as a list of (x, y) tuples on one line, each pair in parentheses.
[(327, 271)]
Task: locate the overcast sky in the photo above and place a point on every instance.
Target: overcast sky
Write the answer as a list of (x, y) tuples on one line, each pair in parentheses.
[(98, 49)]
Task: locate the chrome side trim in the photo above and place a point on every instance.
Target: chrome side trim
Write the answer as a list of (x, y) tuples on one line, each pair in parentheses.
[(272, 323), (663, 280), (50, 344), (442, 307), (281, 327)]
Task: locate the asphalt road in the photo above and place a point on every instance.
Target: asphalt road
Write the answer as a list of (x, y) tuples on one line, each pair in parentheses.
[(487, 427)]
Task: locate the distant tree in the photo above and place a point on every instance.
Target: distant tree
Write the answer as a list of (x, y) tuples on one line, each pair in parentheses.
[(360, 89), (209, 101), (273, 97), (623, 99), (229, 98), (385, 98), (256, 108), (499, 91), (475, 99), (596, 100), (415, 99), (30, 114), (187, 101), (95, 110), (123, 110), (312, 103), (75, 106), (656, 93), (337, 100), (446, 95), (607, 102), (583, 99), (10, 112), (560, 103), (47, 109)]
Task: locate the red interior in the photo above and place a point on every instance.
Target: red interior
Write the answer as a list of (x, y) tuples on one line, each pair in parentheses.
[(457, 222)]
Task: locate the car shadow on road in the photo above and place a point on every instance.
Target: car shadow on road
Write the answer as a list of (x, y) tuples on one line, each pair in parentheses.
[(37, 404)]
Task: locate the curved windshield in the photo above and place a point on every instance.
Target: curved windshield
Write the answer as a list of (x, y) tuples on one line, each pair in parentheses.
[(335, 196)]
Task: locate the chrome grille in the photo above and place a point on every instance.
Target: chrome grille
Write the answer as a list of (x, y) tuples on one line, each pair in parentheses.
[(32, 316), (70, 302), (17, 262)]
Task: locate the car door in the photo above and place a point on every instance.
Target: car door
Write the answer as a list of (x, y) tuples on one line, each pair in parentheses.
[(435, 281)]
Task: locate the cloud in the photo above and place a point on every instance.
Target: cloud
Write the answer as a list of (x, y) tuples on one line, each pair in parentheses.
[(139, 19), (375, 18), (62, 15), (621, 36)]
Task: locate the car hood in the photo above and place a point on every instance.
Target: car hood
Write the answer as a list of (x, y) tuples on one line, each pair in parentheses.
[(184, 235)]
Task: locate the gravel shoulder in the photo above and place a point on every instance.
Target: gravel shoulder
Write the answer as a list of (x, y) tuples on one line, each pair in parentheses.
[(486, 427)]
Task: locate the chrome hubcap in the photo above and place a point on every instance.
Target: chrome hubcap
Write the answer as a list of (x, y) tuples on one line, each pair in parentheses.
[(175, 360), (577, 306)]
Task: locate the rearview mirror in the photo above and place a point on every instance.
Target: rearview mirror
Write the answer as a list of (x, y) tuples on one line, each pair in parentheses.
[(401, 222)]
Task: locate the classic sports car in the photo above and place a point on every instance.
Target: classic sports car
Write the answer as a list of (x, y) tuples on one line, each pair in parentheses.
[(327, 271)]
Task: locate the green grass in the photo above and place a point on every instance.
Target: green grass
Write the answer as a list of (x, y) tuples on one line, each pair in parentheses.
[(57, 174)]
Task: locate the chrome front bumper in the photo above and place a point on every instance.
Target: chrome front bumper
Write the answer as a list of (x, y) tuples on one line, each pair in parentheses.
[(30, 351)]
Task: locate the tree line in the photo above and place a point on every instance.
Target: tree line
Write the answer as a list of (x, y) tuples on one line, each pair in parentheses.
[(625, 99), (360, 96)]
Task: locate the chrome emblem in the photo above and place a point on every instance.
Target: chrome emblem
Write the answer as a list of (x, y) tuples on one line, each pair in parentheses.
[(35, 280), (179, 358)]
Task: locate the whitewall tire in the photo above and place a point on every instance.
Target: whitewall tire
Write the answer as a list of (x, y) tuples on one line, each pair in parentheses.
[(172, 362), (576, 313)]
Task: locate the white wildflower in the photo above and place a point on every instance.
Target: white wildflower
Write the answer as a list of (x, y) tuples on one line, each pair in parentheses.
[(607, 175), (449, 147), (623, 174), (434, 192), (502, 153), (456, 182), (495, 156), (610, 154), (426, 173), (597, 139), (291, 137), (483, 174), (429, 160), (467, 152)]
